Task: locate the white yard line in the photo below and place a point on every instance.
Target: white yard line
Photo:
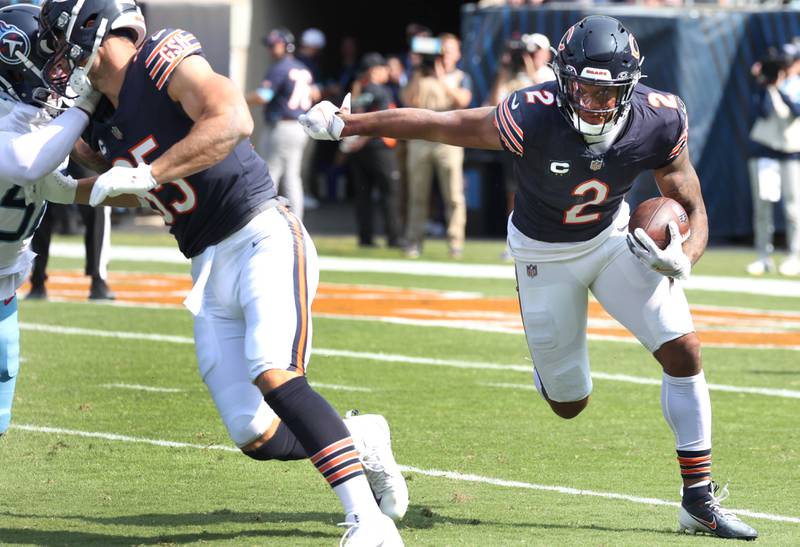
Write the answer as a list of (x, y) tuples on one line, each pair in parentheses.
[(785, 393), (451, 475), (138, 387), (516, 328), (772, 287), (393, 358), (337, 387)]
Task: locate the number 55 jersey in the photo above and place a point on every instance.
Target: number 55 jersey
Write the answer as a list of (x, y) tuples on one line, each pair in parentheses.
[(201, 209), (567, 193)]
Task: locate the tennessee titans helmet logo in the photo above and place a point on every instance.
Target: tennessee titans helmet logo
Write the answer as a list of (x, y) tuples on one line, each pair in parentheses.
[(13, 40)]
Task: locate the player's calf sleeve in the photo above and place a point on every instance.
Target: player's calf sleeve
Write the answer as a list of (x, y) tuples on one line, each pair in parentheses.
[(9, 359), (687, 408), (283, 445), (6, 398), (323, 435)]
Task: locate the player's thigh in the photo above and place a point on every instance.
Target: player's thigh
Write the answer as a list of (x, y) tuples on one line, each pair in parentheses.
[(219, 344), (277, 285), (652, 307), (553, 301)]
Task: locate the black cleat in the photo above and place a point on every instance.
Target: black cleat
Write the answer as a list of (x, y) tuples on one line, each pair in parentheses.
[(100, 291), (701, 513), (38, 292)]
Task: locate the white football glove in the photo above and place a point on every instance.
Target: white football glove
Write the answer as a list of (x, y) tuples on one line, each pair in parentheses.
[(670, 262), (88, 103), (55, 188), (322, 123), (122, 180)]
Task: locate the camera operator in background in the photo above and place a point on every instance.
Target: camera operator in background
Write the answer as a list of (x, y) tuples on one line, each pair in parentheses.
[(436, 84), (525, 62), (371, 160), (775, 165)]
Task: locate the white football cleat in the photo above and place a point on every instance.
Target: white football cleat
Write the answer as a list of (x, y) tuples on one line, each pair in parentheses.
[(790, 266), (371, 437), (761, 266), (378, 531)]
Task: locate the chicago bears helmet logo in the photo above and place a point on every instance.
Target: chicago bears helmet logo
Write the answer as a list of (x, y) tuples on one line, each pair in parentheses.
[(12, 42), (567, 37), (634, 47)]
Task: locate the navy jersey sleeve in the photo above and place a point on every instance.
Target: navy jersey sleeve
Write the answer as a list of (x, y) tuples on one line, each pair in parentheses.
[(676, 133), (165, 50), (275, 77), (508, 121)]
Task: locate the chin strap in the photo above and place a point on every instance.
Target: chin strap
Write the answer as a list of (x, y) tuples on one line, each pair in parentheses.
[(79, 79)]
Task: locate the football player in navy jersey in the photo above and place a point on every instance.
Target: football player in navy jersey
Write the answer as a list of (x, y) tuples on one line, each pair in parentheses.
[(176, 134), (32, 146), (577, 144), (286, 92)]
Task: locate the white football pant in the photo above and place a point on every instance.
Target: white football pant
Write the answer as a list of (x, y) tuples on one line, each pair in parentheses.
[(256, 316), (554, 302)]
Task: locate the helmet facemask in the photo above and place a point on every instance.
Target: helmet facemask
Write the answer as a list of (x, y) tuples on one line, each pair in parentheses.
[(72, 32), (597, 66), (594, 106), (66, 71)]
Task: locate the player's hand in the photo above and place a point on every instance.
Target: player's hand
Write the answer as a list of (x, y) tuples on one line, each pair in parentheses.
[(322, 122), (55, 188), (670, 262), (122, 180), (88, 103)]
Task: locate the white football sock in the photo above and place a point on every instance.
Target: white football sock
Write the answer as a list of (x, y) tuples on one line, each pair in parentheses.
[(356, 497), (687, 408)]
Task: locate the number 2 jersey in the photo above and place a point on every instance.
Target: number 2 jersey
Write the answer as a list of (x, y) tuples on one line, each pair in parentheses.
[(566, 194), (204, 208)]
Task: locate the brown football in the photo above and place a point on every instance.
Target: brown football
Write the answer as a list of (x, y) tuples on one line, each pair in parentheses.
[(653, 217)]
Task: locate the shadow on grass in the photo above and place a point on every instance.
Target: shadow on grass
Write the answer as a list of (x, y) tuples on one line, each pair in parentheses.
[(259, 524), (422, 518)]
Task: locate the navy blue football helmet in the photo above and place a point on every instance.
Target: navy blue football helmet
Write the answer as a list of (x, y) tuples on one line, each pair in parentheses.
[(597, 65), (71, 32), (21, 64)]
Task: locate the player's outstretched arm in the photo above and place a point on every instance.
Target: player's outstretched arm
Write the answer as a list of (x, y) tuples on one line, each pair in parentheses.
[(28, 157), (679, 181), (470, 128), (221, 120), (84, 191), (57, 187)]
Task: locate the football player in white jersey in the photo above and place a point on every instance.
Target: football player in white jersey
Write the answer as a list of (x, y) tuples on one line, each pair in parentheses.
[(32, 146)]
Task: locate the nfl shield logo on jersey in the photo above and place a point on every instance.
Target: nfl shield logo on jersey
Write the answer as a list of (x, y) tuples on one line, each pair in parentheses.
[(532, 270), (596, 164)]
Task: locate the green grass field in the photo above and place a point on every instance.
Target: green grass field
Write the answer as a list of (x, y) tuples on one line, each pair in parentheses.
[(79, 467)]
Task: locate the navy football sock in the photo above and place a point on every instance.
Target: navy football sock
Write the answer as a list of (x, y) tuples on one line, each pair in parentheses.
[(283, 445), (319, 429)]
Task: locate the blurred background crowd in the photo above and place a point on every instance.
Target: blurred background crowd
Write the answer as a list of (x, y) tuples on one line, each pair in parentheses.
[(735, 63)]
